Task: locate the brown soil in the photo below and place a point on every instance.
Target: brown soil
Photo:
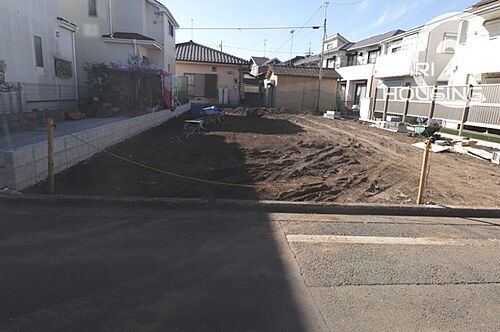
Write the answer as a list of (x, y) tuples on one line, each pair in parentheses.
[(298, 157)]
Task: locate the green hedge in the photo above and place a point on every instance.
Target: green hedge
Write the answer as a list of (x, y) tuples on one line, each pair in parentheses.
[(473, 134)]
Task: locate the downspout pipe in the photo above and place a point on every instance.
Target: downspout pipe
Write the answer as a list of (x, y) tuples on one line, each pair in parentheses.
[(75, 68)]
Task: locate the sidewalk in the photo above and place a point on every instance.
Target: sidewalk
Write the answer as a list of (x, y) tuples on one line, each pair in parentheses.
[(19, 139)]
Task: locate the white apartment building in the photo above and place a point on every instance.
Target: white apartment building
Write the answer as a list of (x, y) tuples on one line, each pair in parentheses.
[(477, 55), (36, 50), (113, 30), (355, 62), (420, 56)]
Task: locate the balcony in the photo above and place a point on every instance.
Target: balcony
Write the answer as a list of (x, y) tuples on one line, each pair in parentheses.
[(396, 65), (357, 72)]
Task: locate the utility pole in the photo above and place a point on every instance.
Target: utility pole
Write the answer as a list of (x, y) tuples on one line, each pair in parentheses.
[(221, 45), (309, 53), (291, 48), (322, 57), (265, 47)]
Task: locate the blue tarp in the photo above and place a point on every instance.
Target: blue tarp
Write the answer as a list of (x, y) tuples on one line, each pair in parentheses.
[(206, 111), (210, 111)]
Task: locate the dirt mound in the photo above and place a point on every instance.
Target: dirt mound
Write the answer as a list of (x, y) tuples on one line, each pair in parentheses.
[(261, 111)]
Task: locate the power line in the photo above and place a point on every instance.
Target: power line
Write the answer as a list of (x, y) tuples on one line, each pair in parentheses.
[(252, 49), (315, 27), (348, 3), (299, 29)]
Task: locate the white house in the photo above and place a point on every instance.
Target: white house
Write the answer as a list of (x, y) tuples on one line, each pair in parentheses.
[(37, 50), (477, 55), (420, 56), (260, 65), (355, 62), (113, 30)]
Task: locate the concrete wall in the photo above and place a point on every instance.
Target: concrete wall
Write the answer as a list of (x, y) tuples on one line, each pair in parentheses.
[(228, 76), (28, 165), (300, 93)]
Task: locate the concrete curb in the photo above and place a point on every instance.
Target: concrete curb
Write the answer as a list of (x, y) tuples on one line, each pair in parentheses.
[(267, 206)]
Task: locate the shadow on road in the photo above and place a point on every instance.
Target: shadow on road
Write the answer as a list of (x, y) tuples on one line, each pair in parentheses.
[(75, 268)]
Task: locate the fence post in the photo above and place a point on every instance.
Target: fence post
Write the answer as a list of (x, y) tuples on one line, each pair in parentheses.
[(386, 105), (465, 114), (20, 96), (407, 104), (372, 116), (424, 172), (433, 102), (303, 96), (60, 96)]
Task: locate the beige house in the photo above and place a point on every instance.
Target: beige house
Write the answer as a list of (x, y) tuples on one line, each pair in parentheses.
[(211, 76), (296, 88)]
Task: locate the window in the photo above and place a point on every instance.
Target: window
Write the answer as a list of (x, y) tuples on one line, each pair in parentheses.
[(464, 30), (372, 56), (170, 28), (93, 8), (330, 63), (493, 27), (449, 43), (202, 85), (352, 59), (395, 47), (37, 42)]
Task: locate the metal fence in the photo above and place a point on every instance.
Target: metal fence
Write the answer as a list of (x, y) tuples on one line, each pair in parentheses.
[(26, 97), (468, 105)]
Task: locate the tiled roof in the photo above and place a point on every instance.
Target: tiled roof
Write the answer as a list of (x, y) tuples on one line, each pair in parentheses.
[(128, 35), (272, 61), (191, 51), (294, 60), (259, 61), (304, 71), (374, 39), (309, 60)]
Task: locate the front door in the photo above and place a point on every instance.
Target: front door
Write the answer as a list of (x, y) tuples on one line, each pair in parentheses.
[(360, 93)]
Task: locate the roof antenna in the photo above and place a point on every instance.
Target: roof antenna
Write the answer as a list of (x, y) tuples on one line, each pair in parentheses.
[(192, 29)]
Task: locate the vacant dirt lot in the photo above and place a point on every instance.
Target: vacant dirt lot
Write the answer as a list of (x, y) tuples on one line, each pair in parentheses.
[(287, 157)]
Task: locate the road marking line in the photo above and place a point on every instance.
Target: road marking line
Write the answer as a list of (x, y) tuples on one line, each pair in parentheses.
[(391, 240)]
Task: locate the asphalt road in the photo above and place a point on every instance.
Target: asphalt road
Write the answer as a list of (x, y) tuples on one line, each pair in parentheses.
[(80, 269)]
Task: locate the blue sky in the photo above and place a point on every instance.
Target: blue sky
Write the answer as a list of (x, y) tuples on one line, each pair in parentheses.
[(354, 19)]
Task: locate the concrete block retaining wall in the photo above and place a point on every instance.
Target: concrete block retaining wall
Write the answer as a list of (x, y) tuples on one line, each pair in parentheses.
[(28, 165)]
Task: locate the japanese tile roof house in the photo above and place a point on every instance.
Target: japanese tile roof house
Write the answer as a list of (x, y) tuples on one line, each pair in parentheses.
[(211, 76)]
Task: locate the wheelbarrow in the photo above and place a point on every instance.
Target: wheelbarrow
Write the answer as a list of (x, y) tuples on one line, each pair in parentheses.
[(193, 128)]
